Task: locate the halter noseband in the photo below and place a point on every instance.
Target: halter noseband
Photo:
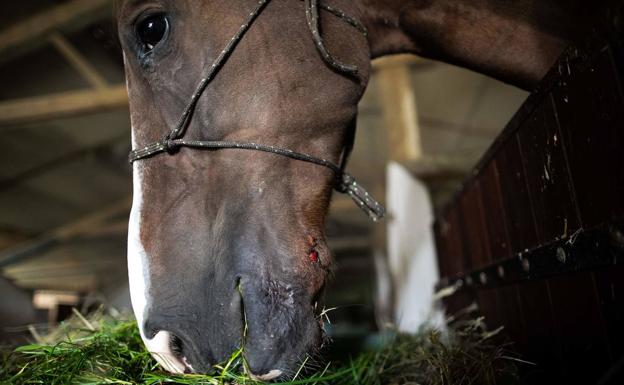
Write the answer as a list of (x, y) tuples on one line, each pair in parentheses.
[(344, 182)]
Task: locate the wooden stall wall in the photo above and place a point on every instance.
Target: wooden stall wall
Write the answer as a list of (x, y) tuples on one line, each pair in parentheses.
[(536, 235)]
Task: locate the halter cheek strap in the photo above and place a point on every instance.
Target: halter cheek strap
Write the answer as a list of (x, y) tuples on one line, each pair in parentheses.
[(344, 182)]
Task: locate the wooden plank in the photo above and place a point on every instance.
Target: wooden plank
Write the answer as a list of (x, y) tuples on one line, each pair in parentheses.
[(61, 159), (515, 193), (490, 307), (78, 61), (62, 105), (561, 168), (591, 115), (477, 249), (586, 250), (550, 190), (441, 249), (400, 60), (28, 34), (451, 235), (578, 322), (509, 307), (512, 316), (398, 102), (610, 288), (81, 284), (431, 167), (337, 244), (474, 232), (455, 261), (543, 345), (494, 213), (460, 301), (66, 232)]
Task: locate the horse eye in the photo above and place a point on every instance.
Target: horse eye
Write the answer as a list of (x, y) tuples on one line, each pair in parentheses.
[(152, 30)]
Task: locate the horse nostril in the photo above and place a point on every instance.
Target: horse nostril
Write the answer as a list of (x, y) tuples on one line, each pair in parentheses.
[(177, 349), (166, 349), (176, 345)]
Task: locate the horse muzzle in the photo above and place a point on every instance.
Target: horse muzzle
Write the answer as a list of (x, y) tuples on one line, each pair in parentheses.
[(273, 322)]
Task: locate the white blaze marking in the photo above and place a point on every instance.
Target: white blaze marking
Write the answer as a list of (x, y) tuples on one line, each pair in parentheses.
[(138, 274)]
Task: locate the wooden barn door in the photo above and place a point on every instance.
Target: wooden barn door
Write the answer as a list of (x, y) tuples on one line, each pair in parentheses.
[(536, 235)]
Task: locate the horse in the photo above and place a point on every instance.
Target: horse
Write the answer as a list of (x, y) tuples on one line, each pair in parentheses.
[(226, 246)]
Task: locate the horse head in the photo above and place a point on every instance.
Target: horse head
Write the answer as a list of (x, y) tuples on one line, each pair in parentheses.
[(227, 246)]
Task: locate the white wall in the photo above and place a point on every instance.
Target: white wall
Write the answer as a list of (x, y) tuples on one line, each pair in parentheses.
[(411, 249)]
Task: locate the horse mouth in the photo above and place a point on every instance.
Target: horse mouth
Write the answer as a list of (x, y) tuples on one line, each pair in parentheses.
[(166, 350), (266, 350)]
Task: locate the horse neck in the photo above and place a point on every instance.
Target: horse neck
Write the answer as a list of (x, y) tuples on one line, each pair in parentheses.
[(515, 41)]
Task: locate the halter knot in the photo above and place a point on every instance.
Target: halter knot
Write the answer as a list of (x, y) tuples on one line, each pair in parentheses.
[(343, 181), (169, 145)]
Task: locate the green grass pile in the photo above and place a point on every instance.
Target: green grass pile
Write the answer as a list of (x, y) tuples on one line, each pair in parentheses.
[(108, 350)]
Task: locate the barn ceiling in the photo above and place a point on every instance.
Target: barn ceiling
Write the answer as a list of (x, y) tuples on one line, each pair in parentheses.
[(57, 172)]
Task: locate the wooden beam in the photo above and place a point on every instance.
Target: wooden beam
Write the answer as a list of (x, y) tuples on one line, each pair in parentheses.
[(339, 244), (61, 160), (32, 32), (62, 105), (77, 228), (93, 220), (78, 61), (401, 60), (399, 107), (82, 284), (115, 229), (440, 167)]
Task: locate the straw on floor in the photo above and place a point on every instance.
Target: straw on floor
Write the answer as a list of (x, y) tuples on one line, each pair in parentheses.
[(105, 349)]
